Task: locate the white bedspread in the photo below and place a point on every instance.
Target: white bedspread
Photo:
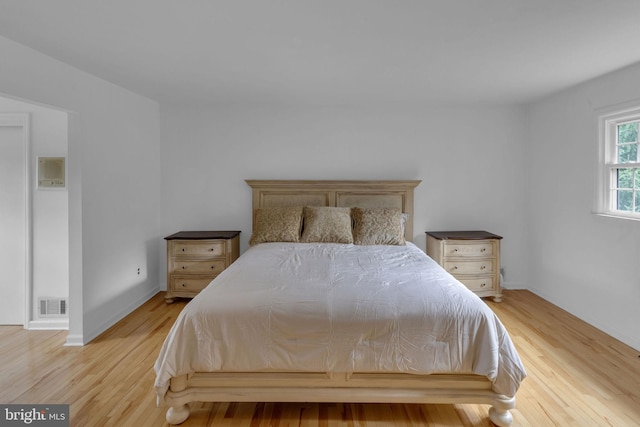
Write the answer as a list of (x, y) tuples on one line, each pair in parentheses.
[(338, 308)]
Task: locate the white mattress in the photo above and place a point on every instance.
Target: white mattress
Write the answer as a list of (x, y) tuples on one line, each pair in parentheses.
[(338, 308)]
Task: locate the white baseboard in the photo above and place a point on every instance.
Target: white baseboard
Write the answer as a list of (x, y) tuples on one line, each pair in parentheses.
[(74, 341), (119, 315), (513, 285), (49, 324)]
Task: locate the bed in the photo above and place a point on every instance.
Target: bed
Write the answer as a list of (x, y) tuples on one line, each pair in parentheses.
[(351, 312)]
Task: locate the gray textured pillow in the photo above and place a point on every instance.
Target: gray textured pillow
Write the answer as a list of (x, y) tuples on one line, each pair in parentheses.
[(377, 226), (327, 225), (277, 224)]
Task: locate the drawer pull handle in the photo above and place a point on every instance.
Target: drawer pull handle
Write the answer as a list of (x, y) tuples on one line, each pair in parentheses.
[(455, 250), (213, 267), (483, 285), (483, 267), (455, 267), (184, 285), (183, 249), (483, 250), (184, 267), (210, 249)]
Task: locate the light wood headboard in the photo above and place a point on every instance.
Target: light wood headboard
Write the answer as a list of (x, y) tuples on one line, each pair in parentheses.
[(383, 194)]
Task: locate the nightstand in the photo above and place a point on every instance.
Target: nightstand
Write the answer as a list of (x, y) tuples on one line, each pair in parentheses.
[(195, 258), (472, 257)]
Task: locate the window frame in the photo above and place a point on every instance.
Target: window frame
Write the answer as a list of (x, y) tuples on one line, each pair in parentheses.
[(608, 164)]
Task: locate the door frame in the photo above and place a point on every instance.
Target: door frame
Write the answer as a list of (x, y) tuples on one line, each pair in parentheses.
[(23, 120)]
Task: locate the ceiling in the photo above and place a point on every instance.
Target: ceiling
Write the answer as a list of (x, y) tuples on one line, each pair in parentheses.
[(333, 52)]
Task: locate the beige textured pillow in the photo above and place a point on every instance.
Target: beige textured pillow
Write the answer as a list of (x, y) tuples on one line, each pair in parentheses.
[(277, 224), (377, 226), (327, 225)]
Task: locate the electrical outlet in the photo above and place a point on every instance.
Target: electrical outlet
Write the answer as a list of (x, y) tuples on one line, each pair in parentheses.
[(138, 271), (502, 272)]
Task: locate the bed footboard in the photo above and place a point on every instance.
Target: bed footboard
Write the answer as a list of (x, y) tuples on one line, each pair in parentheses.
[(335, 387)]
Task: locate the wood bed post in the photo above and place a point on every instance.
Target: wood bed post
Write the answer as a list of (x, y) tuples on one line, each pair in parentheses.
[(500, 413), (178, 414)]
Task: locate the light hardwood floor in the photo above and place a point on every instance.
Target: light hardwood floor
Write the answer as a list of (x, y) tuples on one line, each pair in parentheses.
[(577, 376)]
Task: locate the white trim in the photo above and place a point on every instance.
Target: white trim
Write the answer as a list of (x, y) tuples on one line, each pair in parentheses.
[(49, 325), (74, 341), (23, 120), (610, 329), (608, 118), (118, 316), (618, 215), (74, 187)]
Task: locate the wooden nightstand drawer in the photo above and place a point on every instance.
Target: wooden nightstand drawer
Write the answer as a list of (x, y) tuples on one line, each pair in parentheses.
[(214, 266), (195, 258), (198, 248), (189, 284), (480, 283), (457, 267), (460, 249)]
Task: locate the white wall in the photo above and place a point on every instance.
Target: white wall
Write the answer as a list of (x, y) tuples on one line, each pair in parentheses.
[(50, 208), (114, 196), (586, 264), (469, 161)]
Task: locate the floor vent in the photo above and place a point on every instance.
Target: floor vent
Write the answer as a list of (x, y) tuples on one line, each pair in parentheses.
[(53, 307)]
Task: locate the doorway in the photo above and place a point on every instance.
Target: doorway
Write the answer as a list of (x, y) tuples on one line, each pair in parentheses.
[(14, 219)]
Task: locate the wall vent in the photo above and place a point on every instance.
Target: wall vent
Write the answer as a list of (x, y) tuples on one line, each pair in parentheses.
[(53, 307)]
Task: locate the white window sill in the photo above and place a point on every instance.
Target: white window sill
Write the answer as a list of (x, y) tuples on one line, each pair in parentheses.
[(617, 216)]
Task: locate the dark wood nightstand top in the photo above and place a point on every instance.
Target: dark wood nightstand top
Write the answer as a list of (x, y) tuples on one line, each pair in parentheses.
[(463, 235), (202, 235)]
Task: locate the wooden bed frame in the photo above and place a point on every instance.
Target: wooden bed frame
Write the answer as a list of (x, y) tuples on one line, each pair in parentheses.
[(350, 387)]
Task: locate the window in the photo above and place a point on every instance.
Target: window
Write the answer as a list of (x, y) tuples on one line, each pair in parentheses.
[(620, 164)]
